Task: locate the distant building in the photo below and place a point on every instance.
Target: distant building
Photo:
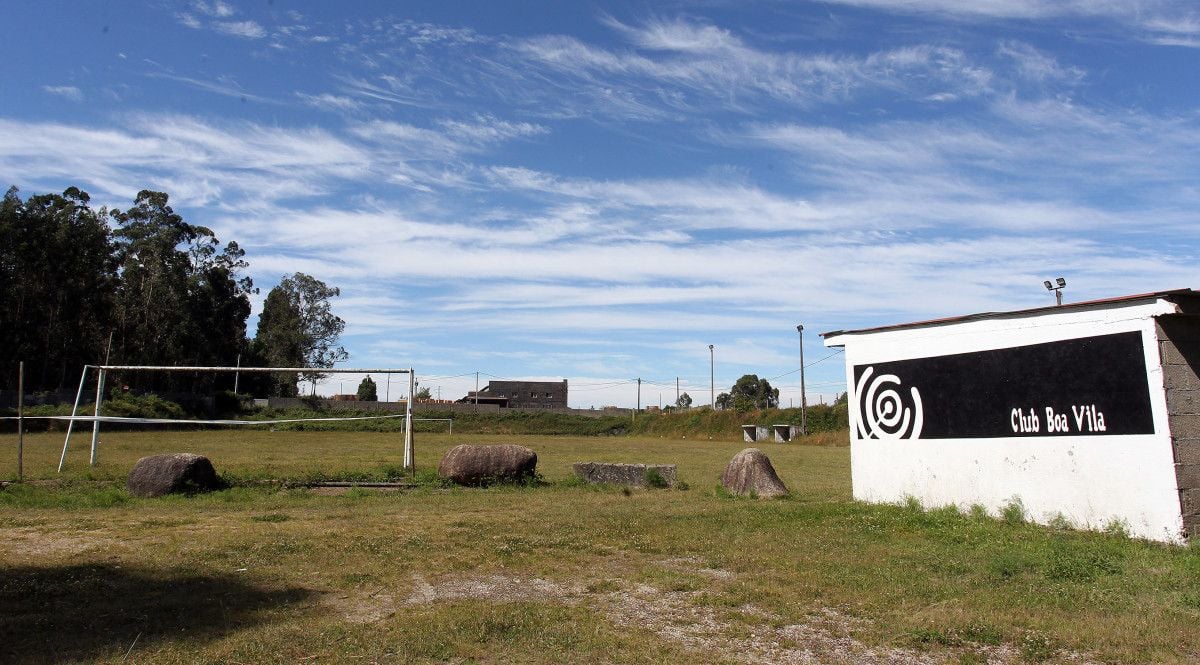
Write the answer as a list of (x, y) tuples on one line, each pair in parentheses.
[(521, 394)]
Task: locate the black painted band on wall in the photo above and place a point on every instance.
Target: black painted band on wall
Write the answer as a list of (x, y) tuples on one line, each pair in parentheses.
[(1080, 387)]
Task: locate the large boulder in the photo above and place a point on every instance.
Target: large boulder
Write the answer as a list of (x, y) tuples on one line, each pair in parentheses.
[(634, 475), (170, 474), (750, 471), (479, 465)]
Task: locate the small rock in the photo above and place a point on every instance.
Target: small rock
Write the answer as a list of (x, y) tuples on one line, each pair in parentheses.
[(479, 465), (751, 471), (170, 474)]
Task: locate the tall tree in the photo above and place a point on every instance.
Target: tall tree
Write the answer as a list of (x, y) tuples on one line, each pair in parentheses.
[(181, 299), (684, 401), (57, 281), (367, 392), (298, 328), (751, 392)]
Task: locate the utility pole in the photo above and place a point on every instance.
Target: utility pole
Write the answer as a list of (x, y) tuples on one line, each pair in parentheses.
[(639, 406), (803, 401), (677, 391), (712, 381), (477, 390)]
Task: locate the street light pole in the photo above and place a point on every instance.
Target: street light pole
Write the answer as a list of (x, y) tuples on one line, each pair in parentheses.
[(803, 398), (712, 381)]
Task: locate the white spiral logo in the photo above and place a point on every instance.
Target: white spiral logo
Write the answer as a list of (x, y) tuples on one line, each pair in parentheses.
[(882, 411)]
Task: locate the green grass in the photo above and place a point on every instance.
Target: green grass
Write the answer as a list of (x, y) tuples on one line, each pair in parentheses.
[(268, 573)]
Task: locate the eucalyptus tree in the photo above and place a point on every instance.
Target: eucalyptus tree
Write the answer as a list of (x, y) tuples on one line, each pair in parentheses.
[(297, 328), (57, 283)]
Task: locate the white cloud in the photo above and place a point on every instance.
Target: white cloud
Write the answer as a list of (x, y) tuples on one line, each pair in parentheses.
[(712, 67), (1010, 9), (195, 162), (65, 91), (670, 69), (216, 9), (1163, 22), (453, 137), (222, 86), (329, 102), (246, 29), (1035, 65)]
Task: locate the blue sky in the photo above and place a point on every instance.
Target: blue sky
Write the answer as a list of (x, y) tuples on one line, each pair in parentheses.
[(599, 191)]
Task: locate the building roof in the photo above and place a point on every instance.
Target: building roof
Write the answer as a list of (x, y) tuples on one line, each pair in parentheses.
[(1174, 295)]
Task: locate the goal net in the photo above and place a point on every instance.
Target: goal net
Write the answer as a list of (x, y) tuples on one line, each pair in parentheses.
[(101, 373)]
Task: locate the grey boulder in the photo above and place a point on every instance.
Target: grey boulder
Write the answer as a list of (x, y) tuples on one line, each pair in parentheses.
[(751, 472), (633, 475), (171, 474), (468, 464)]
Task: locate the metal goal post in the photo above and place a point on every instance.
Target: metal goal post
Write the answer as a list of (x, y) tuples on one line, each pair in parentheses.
[(102, 371)]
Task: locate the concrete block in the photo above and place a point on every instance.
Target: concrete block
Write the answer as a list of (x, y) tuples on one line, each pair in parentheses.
[(1170, 353), (1187, 476), (1185, 426), (1183, 402), (632, 475), (1180, 377), (1189, 501), (1187, 451)]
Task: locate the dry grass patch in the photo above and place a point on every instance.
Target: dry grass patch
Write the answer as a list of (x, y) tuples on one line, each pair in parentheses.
[(553, 571)]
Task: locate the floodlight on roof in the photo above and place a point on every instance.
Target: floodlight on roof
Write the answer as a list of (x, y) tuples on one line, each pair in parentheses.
[(1056, 289)]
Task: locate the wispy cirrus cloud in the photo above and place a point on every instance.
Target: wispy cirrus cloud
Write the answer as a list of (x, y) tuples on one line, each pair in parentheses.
[(217, 8), (197, 162), (447, 137), (707, 67), (218, 16), (65, 91), (245, 29), (1035, 65), (235, 163), (666, 69), (224, 86), (329, 101), (1163, 22)]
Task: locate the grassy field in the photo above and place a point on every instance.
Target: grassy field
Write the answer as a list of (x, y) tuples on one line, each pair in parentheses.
[(552, 571)]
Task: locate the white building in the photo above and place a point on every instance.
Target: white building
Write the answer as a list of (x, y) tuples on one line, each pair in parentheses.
[(1089, 411)]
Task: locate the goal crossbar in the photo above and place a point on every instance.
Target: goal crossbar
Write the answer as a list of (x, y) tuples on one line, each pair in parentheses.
[(301, 370), (102, 370)]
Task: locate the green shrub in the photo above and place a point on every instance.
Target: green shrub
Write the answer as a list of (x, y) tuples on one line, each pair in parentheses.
[(655, 479)]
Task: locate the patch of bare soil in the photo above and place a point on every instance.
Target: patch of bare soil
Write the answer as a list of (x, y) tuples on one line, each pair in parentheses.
[(692, 564), (36, 543), (824, 639), (754, 636), (361, 606), (496, 588)]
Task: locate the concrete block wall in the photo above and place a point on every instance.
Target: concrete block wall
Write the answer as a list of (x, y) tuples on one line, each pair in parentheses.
[(1179, 348)]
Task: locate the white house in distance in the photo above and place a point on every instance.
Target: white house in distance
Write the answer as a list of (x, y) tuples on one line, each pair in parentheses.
[(1088, 410)]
